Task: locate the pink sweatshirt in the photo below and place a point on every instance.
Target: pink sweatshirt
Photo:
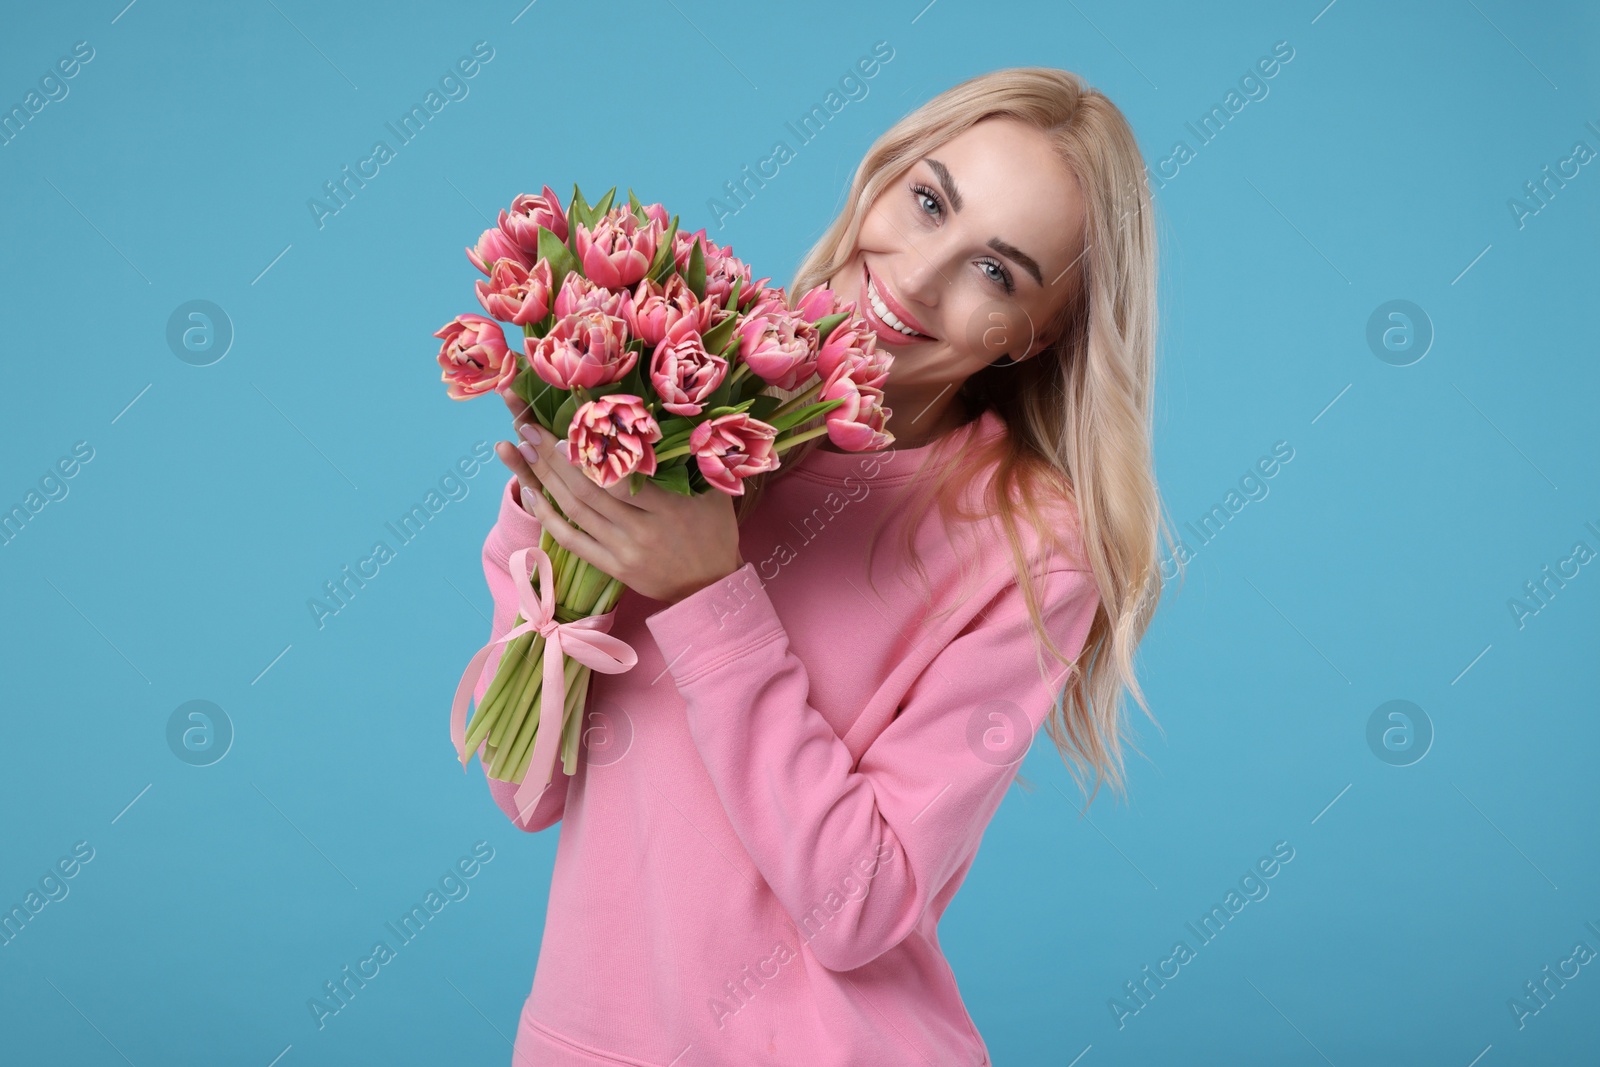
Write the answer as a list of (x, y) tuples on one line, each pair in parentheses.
[(774, 807)]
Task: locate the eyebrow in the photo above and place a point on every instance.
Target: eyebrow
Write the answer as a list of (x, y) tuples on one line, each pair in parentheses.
[(1005, 248)]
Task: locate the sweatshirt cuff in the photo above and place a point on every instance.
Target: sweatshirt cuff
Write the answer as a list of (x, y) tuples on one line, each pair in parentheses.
[(715, 625), (515, 528)]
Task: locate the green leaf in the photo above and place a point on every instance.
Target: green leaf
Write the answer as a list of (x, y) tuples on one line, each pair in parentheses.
[(826, 324), (562, 422), (716, 337), (733, 295), (577, 211), (539, 394), (636, 482), (719, 396), (607, 390), (638, 208), (675, 426), (665, 262), (804, 415), (562, 261), (605, 204), (538, 329), (727, 409), (633, 381), (763, 406), (695, 276), (674, 478)]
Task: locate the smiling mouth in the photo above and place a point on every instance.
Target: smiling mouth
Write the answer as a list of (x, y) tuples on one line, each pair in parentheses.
[(889, 318)]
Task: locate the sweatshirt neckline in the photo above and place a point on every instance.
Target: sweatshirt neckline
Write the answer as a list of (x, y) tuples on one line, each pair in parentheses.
[(822, 465)]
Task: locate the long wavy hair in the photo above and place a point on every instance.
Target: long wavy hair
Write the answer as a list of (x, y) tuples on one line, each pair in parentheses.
[(1078, 414)]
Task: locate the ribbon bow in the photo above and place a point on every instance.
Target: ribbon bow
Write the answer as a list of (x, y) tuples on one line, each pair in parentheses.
[(585, 640)]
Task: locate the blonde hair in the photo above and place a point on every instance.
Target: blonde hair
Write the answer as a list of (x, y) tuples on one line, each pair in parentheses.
[(1078, 413)]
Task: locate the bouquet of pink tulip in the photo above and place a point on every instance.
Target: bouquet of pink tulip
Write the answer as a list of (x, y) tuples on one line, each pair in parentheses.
[(650, 355)]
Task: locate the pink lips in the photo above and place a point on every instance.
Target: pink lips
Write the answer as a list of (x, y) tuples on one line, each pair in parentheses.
[(899, 311)]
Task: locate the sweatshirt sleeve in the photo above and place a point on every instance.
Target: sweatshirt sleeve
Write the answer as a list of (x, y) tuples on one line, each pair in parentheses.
[(514, 529), (925, 789)]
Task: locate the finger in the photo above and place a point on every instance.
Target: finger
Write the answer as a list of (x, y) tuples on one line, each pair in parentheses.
[(515, 404), (577, 541), (521, 412), (611, 501), (577, 505), (514, 461), (650, 497)]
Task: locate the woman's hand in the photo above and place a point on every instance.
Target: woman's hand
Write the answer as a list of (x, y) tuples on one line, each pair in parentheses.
[(660, 544)]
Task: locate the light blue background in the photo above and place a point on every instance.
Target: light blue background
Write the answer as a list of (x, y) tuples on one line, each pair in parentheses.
[(1420, 499)]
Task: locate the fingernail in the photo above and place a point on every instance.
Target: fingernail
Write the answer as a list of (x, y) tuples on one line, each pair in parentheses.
[(531, 432), (529, 453)]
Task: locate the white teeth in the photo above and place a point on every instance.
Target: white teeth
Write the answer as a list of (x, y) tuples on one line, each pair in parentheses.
[(884, 313)]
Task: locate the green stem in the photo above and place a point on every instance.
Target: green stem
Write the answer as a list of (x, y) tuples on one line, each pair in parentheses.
[(508, 658), (790, 442), (513, 689), (568, 564), (519, 714), (530, 726), (672, 453), (676, 438), (492, 710), (572, 731), (608, 597), (589, 591), (795, 402), (572, 580)]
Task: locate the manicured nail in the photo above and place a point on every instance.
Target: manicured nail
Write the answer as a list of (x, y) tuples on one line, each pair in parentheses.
[(530, 432), (529, 453)]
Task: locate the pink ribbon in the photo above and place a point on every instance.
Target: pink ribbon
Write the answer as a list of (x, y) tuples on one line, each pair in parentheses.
[(585, 640)]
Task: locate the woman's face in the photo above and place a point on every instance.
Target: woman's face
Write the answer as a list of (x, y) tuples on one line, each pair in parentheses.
[(973, 247)]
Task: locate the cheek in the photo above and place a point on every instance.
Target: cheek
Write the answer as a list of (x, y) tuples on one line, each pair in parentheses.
[(846, 281), (883, 229), (986, 328)]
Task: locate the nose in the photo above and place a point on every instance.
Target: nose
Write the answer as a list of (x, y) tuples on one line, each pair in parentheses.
[(917, 280)]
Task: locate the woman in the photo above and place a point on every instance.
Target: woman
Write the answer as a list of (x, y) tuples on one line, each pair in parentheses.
[(775, 806)]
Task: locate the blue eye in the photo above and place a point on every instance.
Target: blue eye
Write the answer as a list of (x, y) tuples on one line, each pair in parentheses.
[(1004, 278)]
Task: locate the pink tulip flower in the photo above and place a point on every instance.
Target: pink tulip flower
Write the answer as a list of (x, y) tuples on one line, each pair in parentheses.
[(731, 448), (853, 342), (618, 251), (683, 247), (474, 356), (857, 425), (493, 245), (528, 212), (515, 293), (683, 372), (722, 267), (658, 214), (586, 349), (820, 302), (611, 437), (653, 308), (779, 345), (580, 294)]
